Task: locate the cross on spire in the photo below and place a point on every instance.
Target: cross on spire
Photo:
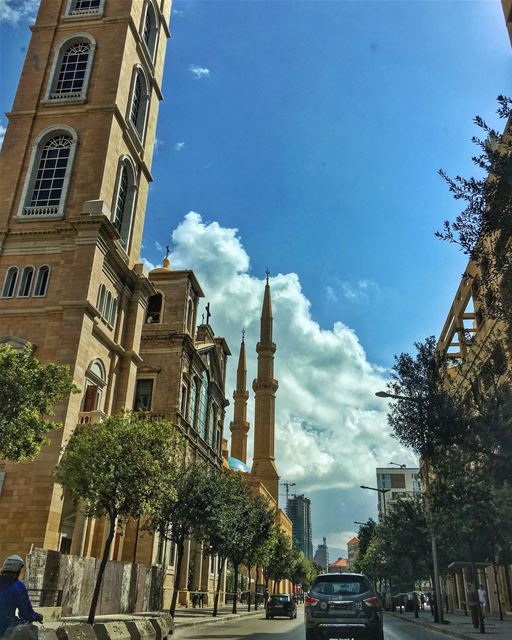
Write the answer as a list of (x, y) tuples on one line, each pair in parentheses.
[(208, 314), (167, 251)]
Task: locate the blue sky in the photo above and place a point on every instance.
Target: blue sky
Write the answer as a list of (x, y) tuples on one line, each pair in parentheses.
[(316, 129)]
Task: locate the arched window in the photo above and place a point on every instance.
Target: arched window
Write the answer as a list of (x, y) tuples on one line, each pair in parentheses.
[(26, 282), (48, 176), (125, 199), (150, 29), (154, 309), (10, 282), (84, 7), (101, 298), (95, 381), (193, 403), (43, 276), (71, 68), (113, 314), (203, 406), (108, 307), (139, 102)]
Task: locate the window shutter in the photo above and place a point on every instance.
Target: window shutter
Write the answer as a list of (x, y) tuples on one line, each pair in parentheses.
[(91, 393)]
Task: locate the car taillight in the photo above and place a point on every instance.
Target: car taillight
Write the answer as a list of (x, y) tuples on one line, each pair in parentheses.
[(309, 600), (374, 601)]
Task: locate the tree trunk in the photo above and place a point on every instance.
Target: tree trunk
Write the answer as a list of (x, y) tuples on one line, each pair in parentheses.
[(103, 564), (256, 589), (249, 597), (235, 589), (220, 569), (177, 576)]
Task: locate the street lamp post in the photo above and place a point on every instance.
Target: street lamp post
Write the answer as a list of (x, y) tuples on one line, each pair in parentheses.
[(383, 491), (438, 605)]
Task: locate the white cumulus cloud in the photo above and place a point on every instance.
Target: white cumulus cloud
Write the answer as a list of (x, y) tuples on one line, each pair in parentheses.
[(359, 291), (199, 72), (2, 134), (13, 11), (179, 146), (331, 431)]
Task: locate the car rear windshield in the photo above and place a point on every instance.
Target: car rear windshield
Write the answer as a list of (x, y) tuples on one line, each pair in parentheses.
[(280, 598), (341, 585)]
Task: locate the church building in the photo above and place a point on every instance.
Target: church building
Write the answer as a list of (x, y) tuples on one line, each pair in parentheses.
[(76, 168)]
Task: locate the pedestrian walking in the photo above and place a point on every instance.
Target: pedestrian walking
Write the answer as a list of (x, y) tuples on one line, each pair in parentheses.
[(482, 599), (14, 598), (430, 601), (422, 600)]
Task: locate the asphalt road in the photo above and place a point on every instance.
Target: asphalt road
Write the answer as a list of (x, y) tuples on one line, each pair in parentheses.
[(257, 628)]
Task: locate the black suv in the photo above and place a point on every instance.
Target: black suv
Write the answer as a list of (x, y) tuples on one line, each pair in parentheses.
[(281, 604), (343, 605)]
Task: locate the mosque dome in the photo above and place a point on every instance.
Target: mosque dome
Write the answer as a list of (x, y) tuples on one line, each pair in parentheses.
[(237, 465)]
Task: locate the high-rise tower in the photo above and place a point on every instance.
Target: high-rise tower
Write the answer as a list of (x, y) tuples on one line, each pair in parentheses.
[(265, 387), (240, 427), (75, 171)]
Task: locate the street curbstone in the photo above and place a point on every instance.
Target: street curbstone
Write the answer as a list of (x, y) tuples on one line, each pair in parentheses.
[(111, 631), (140, 630), (80, 631)]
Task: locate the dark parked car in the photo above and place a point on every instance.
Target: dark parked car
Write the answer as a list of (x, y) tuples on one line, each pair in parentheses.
[(343, 605), (281, 604)]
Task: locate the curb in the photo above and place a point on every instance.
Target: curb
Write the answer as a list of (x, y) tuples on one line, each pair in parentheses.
[(211, 620), (435, 627)]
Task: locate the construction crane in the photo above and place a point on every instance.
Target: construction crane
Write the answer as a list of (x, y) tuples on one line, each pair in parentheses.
[(287, 486)]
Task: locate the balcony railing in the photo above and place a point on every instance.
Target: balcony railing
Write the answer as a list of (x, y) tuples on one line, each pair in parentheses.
[(90, 417), (41, 211)]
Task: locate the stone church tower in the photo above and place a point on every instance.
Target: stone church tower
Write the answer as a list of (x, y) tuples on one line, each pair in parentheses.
[(76, 167), (240, 427), (265, 387)]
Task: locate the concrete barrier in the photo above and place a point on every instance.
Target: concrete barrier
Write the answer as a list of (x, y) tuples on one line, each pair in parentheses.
[(157, 628)]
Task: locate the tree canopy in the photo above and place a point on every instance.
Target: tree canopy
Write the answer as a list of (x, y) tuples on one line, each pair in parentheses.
[(483, 228), (29, 392)]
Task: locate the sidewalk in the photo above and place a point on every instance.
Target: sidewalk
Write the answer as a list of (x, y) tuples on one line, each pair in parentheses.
[(460, 625), (183, 618)]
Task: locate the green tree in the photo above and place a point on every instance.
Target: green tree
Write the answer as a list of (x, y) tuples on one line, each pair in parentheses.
[(29, 392), (184, 507), (483, 228), (281, 561), (365, 535), (116, 469), (258, 532), (304, 571), (426, 417), (230, 500)]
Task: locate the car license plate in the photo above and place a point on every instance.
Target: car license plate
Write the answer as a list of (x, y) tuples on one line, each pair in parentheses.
[(342, 606)]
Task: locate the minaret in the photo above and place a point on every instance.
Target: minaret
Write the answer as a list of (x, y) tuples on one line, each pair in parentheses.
[(240, 427), (265, 387)]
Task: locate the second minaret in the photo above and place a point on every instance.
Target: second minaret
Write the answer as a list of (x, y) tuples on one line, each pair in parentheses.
[(265, 387)]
